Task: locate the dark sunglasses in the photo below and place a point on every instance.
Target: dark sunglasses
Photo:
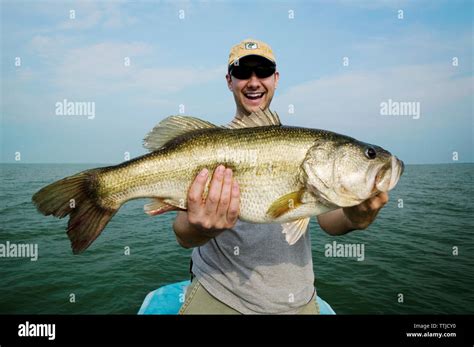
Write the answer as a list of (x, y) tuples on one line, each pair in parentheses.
[(245, 72)]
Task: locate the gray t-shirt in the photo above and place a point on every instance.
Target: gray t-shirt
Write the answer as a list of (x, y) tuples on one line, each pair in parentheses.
[(252, 269)]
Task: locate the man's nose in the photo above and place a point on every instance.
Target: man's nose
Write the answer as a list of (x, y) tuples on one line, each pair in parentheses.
[(254, 81)]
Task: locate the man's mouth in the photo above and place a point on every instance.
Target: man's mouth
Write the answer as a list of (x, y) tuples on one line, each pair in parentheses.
[(254, 95)]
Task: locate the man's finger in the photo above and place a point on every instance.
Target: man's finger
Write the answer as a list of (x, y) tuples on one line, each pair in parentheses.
[(225, 194), (379, 201), (214, 195), (234, 205), (196, 190), (383, 197)]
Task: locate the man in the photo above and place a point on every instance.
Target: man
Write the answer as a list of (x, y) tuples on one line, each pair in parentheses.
[(250, 268)]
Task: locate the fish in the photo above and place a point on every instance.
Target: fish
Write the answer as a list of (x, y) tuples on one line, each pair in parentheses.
[(286, 174)]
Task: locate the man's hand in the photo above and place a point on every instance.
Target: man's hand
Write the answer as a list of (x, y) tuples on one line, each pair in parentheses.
[(207, 218), (343, 220), (361, 216), (221, 207)]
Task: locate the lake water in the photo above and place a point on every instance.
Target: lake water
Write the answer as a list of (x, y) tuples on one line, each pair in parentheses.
[(422, 252)]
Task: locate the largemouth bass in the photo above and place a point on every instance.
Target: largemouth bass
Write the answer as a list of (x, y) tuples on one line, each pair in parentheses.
[(285, 174)]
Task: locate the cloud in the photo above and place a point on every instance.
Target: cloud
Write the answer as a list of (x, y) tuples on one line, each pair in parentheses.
[(108, 67), (351, 100), (422, 46), (102, 69), (90, 14), (95, 72), (49, 48), (116, 17), (372, 5)]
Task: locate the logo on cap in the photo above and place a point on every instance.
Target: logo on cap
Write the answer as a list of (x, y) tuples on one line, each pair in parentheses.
[(251, 45)]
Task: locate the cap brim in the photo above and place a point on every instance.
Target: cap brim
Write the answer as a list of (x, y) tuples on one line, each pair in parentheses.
[(254, 55)]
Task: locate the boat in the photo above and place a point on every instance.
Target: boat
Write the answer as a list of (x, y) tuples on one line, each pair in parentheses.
[(169, 299)]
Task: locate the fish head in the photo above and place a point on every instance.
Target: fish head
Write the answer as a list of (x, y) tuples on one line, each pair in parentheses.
[(345, 172)]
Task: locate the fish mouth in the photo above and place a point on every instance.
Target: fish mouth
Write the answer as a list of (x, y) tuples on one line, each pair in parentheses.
[(388, 176)]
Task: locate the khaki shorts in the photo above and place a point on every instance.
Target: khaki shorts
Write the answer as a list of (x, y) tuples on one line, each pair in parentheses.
[(199, 301)]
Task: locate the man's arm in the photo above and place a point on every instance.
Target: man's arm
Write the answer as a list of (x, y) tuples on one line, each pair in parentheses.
[(205, 219), (344, 220)]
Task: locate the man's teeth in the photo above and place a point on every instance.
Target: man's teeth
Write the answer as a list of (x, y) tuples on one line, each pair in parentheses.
[(254, 95)]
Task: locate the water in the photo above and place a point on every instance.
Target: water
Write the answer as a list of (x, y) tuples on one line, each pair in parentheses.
[(408, 251)]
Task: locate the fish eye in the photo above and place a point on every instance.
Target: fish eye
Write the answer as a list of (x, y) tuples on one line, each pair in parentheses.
[(370, 153)]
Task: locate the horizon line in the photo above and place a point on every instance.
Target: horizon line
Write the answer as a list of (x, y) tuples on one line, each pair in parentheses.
[(112, 163)]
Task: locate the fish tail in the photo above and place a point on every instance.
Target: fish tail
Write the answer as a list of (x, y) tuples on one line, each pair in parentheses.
[(76, 196)]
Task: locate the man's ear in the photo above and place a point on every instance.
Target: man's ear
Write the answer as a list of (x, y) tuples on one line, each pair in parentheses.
[(229, 82), (277, 78)]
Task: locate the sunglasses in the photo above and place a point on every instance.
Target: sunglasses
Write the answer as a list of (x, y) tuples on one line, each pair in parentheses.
[(245, 72)]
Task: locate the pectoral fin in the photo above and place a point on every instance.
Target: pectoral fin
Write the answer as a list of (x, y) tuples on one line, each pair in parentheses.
[(285, 203), (159, 206), (294, 230)]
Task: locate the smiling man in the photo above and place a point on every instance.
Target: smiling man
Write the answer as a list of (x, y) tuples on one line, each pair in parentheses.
[(252, 76), (250, 268)]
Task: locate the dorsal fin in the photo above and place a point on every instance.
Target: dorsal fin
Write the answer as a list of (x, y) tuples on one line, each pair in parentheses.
[(255, 119), (171, 127)]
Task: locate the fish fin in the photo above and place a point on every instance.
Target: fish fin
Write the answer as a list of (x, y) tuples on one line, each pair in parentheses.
[(255, 119), (171, 127), (159, 206), (285, 203), (294, 230), (181, 204), (76, 196)]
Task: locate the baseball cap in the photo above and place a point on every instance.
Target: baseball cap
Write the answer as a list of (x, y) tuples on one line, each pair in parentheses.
[(251, 47)]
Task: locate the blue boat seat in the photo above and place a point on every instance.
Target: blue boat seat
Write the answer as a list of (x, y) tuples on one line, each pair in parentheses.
[(168, 300)]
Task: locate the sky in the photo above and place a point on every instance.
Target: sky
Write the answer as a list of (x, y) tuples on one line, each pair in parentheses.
[(138, 62)]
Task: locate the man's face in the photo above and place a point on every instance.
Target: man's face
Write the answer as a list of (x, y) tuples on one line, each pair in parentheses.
[(253, 93)]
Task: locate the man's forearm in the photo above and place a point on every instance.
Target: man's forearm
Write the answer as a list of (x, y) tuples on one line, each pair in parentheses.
[(359, 217), (335, 222)]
